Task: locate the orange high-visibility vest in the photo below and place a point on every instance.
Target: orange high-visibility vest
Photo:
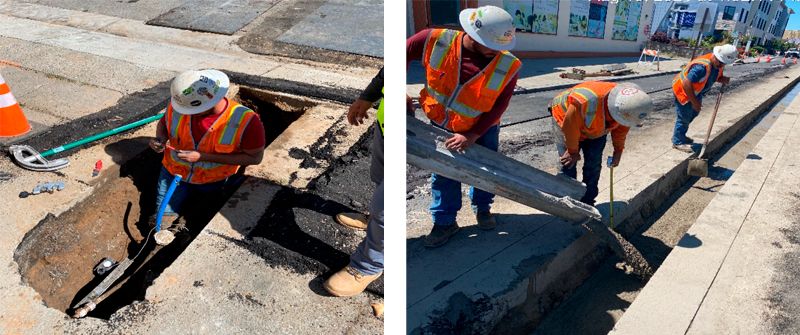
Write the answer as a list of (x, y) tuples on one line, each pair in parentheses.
[(592, 98), (448, 103), (677, 82), (224, 137)]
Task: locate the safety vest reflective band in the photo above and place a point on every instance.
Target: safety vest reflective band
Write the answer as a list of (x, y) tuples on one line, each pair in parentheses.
[(223, 137), (678, 80), (444, 99), (592, 97), (380, 113)]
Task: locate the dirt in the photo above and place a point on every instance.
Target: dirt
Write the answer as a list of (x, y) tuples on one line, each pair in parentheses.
[(784, 300), (57, 257)]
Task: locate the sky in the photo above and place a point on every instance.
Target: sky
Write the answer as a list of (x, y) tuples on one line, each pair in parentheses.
[(794, 19)]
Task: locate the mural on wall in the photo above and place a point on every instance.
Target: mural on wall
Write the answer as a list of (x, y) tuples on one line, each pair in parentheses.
[(626, 20), (534, 16), (588, 18)]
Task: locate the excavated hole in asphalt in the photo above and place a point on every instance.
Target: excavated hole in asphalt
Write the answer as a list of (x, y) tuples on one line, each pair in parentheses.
[(57, 257)]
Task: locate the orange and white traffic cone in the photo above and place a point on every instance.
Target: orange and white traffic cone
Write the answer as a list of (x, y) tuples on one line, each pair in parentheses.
[(769, 59), (783, 61), (12, 120), (758, 60), (794, 60)]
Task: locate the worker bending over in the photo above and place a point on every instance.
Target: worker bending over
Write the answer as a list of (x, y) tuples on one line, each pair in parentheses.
[(691, 84), (470, 78), (585, 114), (205, 138), (366, 263)]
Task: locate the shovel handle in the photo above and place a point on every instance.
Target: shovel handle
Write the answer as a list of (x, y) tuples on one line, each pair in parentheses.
[(711, 122)]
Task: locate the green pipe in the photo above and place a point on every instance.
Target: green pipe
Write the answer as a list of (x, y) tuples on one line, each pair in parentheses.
[(101, 135)]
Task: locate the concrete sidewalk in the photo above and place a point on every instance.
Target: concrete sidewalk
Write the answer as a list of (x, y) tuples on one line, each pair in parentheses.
[(735, 270)]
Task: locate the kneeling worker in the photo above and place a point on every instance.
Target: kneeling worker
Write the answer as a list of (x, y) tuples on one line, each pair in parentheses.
[(587, 112), (207, 138)]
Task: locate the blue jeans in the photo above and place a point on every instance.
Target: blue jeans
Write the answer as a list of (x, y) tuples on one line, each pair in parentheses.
[(181, 192), (447, 192), (368, 257), (592, 150), (685, 114)]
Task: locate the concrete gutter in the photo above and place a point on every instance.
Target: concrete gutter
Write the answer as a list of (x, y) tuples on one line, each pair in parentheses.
[(719, 277), (509, 287)]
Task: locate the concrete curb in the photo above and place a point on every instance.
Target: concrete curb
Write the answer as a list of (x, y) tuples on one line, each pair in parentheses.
[(612, 79)]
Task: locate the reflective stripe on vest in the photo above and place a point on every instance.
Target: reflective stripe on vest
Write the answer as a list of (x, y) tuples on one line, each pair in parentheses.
[(500, 72), (705, 62), (454, 105), (233, 125), (442, 47), (590, 106), (380, 113)]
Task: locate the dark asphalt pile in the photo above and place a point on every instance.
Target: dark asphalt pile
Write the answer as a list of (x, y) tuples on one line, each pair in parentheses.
[(297, 230)]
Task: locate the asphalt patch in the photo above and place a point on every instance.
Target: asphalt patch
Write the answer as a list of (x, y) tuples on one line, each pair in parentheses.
[(213, 17), (297, 230)]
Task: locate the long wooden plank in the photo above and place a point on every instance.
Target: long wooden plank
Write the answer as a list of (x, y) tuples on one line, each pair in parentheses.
[(496, 173)]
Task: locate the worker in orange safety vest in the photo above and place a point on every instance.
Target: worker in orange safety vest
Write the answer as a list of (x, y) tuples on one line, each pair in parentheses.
[(691, 84), (585, 114), (205, 138), (470, 78)]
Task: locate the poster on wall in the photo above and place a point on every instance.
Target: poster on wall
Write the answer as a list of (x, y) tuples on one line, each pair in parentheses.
[(626, 20), (534, 16), (588, 18)]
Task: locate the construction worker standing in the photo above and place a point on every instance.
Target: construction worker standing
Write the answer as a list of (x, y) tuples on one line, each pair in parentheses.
[(691, 84), (585, 114), (470, 78), (207, 137), (366, 263)]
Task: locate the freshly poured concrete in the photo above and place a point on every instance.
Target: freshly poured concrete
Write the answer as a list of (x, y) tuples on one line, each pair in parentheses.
[(504, 279), (727, 284)]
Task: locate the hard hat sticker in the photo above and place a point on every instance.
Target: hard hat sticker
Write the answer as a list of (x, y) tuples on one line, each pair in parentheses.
[(629, 91)]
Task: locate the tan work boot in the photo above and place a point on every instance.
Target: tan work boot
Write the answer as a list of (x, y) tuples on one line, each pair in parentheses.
[(348, 282), (352, 220), (486, 220)]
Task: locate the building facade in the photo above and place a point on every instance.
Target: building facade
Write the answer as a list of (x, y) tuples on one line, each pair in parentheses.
[(763, 20), (552, 28)]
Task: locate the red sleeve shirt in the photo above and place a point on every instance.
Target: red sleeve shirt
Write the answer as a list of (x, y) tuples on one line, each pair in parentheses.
[(471, 64)]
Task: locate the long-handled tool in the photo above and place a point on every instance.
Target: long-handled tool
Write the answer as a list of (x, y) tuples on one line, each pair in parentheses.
[(609, 162), (30, 159), (164, 237), (698, 166)]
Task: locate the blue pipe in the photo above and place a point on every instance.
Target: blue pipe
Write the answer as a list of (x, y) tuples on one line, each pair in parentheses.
[(165, 202)]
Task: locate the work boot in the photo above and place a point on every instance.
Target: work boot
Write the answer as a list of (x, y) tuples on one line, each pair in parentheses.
[(689, 140), (356, 221), (687, 148), (439, 235), (486, 220), (348, 282)]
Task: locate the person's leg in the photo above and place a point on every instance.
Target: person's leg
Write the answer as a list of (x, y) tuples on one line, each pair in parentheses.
[(482, 200), (446, 200), (592, 165), (366, 263), (684, 114), (178, 196), (368, 257)]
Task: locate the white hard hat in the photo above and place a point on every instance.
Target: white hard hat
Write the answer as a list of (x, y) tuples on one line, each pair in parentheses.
[(725, 53), (194, 92), (490, 26), (628, 104)]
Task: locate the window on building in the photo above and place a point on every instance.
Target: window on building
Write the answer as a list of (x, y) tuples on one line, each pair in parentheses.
[(445, 12), (741, 15), (746, 15), (728, 13)]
